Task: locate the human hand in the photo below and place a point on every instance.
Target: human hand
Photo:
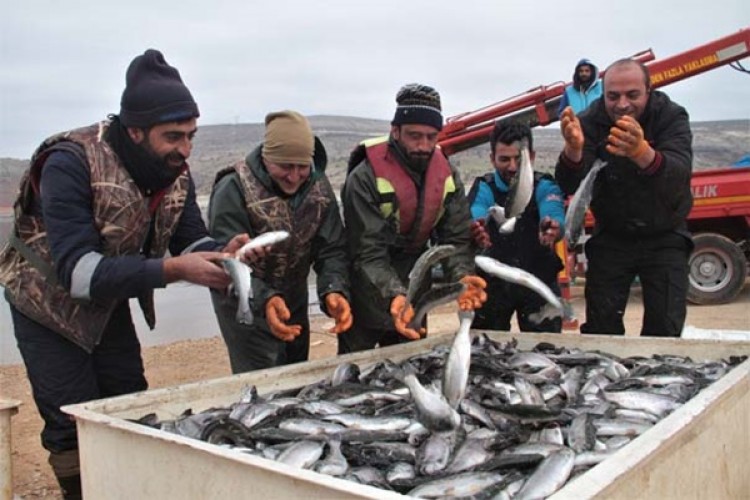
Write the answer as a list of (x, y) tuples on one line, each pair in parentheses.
[(277, 314), (549, 232), (200, 268), (402, 313), (340, 311), (570, 126), (236, 243), (474, 295), (479, 233), (626, 139)]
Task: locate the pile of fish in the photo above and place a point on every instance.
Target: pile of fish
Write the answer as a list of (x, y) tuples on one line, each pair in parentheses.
[(479, 418)]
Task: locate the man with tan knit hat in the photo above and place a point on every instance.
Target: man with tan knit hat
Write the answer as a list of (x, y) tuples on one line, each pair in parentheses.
[(400, 195), (281, 185)]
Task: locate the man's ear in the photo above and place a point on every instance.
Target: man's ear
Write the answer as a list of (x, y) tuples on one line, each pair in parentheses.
[(136, 134)]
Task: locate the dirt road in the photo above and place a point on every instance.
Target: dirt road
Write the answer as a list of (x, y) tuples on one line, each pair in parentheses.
[(189, 361)]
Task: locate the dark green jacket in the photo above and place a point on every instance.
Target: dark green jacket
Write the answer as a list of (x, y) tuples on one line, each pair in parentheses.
[(311, 215), (380, 261)]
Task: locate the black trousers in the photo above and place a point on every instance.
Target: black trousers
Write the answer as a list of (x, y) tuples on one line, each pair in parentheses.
[(62, 373), (504, 299), (661, 264), (254, 347)]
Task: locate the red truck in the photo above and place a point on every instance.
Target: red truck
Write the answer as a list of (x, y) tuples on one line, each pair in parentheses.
[(720, 219), (720, 223)]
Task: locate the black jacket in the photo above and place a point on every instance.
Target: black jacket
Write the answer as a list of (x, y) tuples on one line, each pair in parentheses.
[(627, 201)]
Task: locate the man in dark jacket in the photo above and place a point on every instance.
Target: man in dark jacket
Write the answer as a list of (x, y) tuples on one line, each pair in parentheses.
[(98, 208), (531, 244), (401, 193), (281, 185), (640, 202)]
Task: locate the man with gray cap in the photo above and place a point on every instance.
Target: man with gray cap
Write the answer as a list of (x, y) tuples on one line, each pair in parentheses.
[(401, 194), (98, 209), (281, 186)]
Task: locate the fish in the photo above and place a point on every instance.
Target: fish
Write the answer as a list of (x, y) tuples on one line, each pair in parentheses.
[(553, 308), (505, 225), (522, 186), (262, 240), (302, 454), (334, 464), (241, 285), (549, 476), (423, 266), (432, 409), (456, 370), (434, 297), (458, 485), (579, 203)]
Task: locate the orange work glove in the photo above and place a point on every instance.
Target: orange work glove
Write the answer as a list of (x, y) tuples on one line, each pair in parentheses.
[(479, 233), (402, 313), (549, 232), (474, 295), (626, 139), (277, 313), (572, 132), (338, 308)]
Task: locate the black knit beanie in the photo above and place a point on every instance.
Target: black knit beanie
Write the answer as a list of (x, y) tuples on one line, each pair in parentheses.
[(418, 104), (154, 93)]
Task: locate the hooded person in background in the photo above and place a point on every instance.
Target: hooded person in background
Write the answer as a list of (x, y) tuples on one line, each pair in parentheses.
[(400, 194), (98, 209), (281, 185), (640, 201), (585, 89)]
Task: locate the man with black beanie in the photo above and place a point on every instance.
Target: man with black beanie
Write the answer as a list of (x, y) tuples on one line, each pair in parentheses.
[(98, 209), (400, 195)]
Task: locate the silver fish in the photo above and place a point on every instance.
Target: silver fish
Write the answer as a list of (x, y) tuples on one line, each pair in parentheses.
[(638, 400), (400, 471), (263, 240), (549, 476), (456, 370), (302, 454), (423, 266), (576, 213), (458, 485), (335, 463), (432, 409), (435, 452), (241, 285), (434, 297), (621, 427), (554, 306), (522, 186), (505, 225), (368, 423)]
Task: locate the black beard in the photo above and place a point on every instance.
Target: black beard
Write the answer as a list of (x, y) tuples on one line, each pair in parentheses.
[(419, 161), (150, 172)]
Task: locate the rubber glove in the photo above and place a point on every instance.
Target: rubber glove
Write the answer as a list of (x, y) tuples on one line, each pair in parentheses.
[(479, 233), (570, 126), (402, 313), (474, 295), (277, 313), (339, 309), (626, 139), (549, 232)]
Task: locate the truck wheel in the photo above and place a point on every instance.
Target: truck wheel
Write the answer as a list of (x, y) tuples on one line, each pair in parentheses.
[(717, 270)]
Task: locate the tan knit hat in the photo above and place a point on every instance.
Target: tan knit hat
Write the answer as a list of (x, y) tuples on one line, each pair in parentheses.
[(289, 138)]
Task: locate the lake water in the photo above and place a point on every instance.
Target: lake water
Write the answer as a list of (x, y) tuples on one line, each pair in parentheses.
[(183, 312)]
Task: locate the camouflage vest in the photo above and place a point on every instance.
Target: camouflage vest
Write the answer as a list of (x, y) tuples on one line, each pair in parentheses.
[(418, 211), (289, 264), (121, 214)]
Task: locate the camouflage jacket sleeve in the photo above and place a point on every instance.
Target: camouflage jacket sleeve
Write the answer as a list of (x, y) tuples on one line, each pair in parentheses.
[(370, 236), (453, 229)]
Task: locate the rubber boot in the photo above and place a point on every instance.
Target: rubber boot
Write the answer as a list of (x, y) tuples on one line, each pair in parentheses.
[(67, 470)]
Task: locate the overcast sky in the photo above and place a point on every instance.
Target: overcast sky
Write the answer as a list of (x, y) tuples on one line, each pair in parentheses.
[(62, 64)]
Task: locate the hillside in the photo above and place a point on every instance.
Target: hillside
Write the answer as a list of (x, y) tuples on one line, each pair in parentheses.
[(715, 144)]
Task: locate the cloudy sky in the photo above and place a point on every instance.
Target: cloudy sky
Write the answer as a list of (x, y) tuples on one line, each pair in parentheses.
[(62, 64)]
